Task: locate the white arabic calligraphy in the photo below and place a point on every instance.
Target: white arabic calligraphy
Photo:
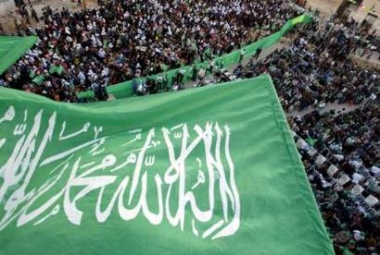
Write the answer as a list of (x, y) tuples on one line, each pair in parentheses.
[(159, 188)]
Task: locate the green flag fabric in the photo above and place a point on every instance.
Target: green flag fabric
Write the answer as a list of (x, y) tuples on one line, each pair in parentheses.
[(39, 79), (124, 89), (58, 69), (212, 170), (12, 48), (311, 140)]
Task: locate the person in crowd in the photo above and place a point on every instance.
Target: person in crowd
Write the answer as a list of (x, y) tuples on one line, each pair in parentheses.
[(134, 40), (124, 37)]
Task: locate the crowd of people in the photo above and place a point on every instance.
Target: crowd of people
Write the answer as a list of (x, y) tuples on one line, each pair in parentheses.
[(340, 149), (121, 41), (314, 73), (340, 152)]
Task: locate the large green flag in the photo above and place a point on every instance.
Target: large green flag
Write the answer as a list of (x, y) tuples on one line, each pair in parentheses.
[(12, 48), (207, 171)]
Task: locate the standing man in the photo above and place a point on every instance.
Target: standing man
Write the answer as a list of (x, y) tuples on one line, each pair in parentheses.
[(34, 14)]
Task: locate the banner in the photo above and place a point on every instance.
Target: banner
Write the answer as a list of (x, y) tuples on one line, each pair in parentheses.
[(124, 89), (206, 171), (12, 48)]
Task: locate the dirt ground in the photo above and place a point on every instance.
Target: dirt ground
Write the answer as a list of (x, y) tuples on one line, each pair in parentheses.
[(328, 7)]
